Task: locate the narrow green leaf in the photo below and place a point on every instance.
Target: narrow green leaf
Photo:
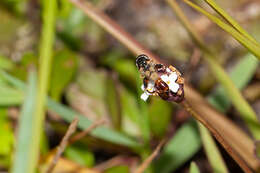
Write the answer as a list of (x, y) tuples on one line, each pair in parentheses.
[(241, 74), (24, 145), (243, 107), (10, 96), (251, 46), (194, 168), (246, 112), (179, 149), (68, 114), (213, 154), (229, 19), (100, 132)]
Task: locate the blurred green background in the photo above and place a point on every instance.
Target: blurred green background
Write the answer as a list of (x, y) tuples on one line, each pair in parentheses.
[(89, 74)]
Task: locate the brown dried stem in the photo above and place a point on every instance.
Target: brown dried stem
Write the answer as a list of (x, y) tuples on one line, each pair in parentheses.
[(148, 161), (72, 128), (113, 28), (232, 134), (220, 139), (87, 131)]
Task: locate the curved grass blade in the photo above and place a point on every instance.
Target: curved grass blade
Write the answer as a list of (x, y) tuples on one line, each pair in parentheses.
[(251, 46), (10, 96), (241, 74), (24, 146), (100, 132), (230, 20), (246, 112), (212, 152), (68, 114)]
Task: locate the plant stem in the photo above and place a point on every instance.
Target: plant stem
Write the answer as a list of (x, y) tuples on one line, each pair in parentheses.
[(246, 112), (220, 139), (244, 148), (45, 57)]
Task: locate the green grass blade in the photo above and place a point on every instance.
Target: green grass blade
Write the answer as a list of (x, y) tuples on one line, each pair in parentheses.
[(252, 47), (194, 168), (24, 147), (179, 149), (10, 96), (12, 80), (47, 41), (212, 152), (240, 75), (68, 114), (100, 132), (230, 20), (243, 107), (246, 112)]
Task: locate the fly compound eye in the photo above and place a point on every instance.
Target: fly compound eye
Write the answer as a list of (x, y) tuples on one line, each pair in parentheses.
[(141, 61)]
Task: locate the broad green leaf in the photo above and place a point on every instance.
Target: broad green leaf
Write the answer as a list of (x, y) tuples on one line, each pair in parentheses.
[(159, 115), (130, 112), (80, 155), (63, 69), (93, 83), (125, 68), (24, 144), (241, 74), (113, 102), (128, 74), (194, 168), (183, 145)]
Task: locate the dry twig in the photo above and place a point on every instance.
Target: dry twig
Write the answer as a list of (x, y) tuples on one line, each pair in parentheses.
[(245, 149), (219, 138), (72, 128), (87, 131), (148, 161)]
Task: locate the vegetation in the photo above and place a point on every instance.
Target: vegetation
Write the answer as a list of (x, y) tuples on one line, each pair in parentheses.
[(70, 90)]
